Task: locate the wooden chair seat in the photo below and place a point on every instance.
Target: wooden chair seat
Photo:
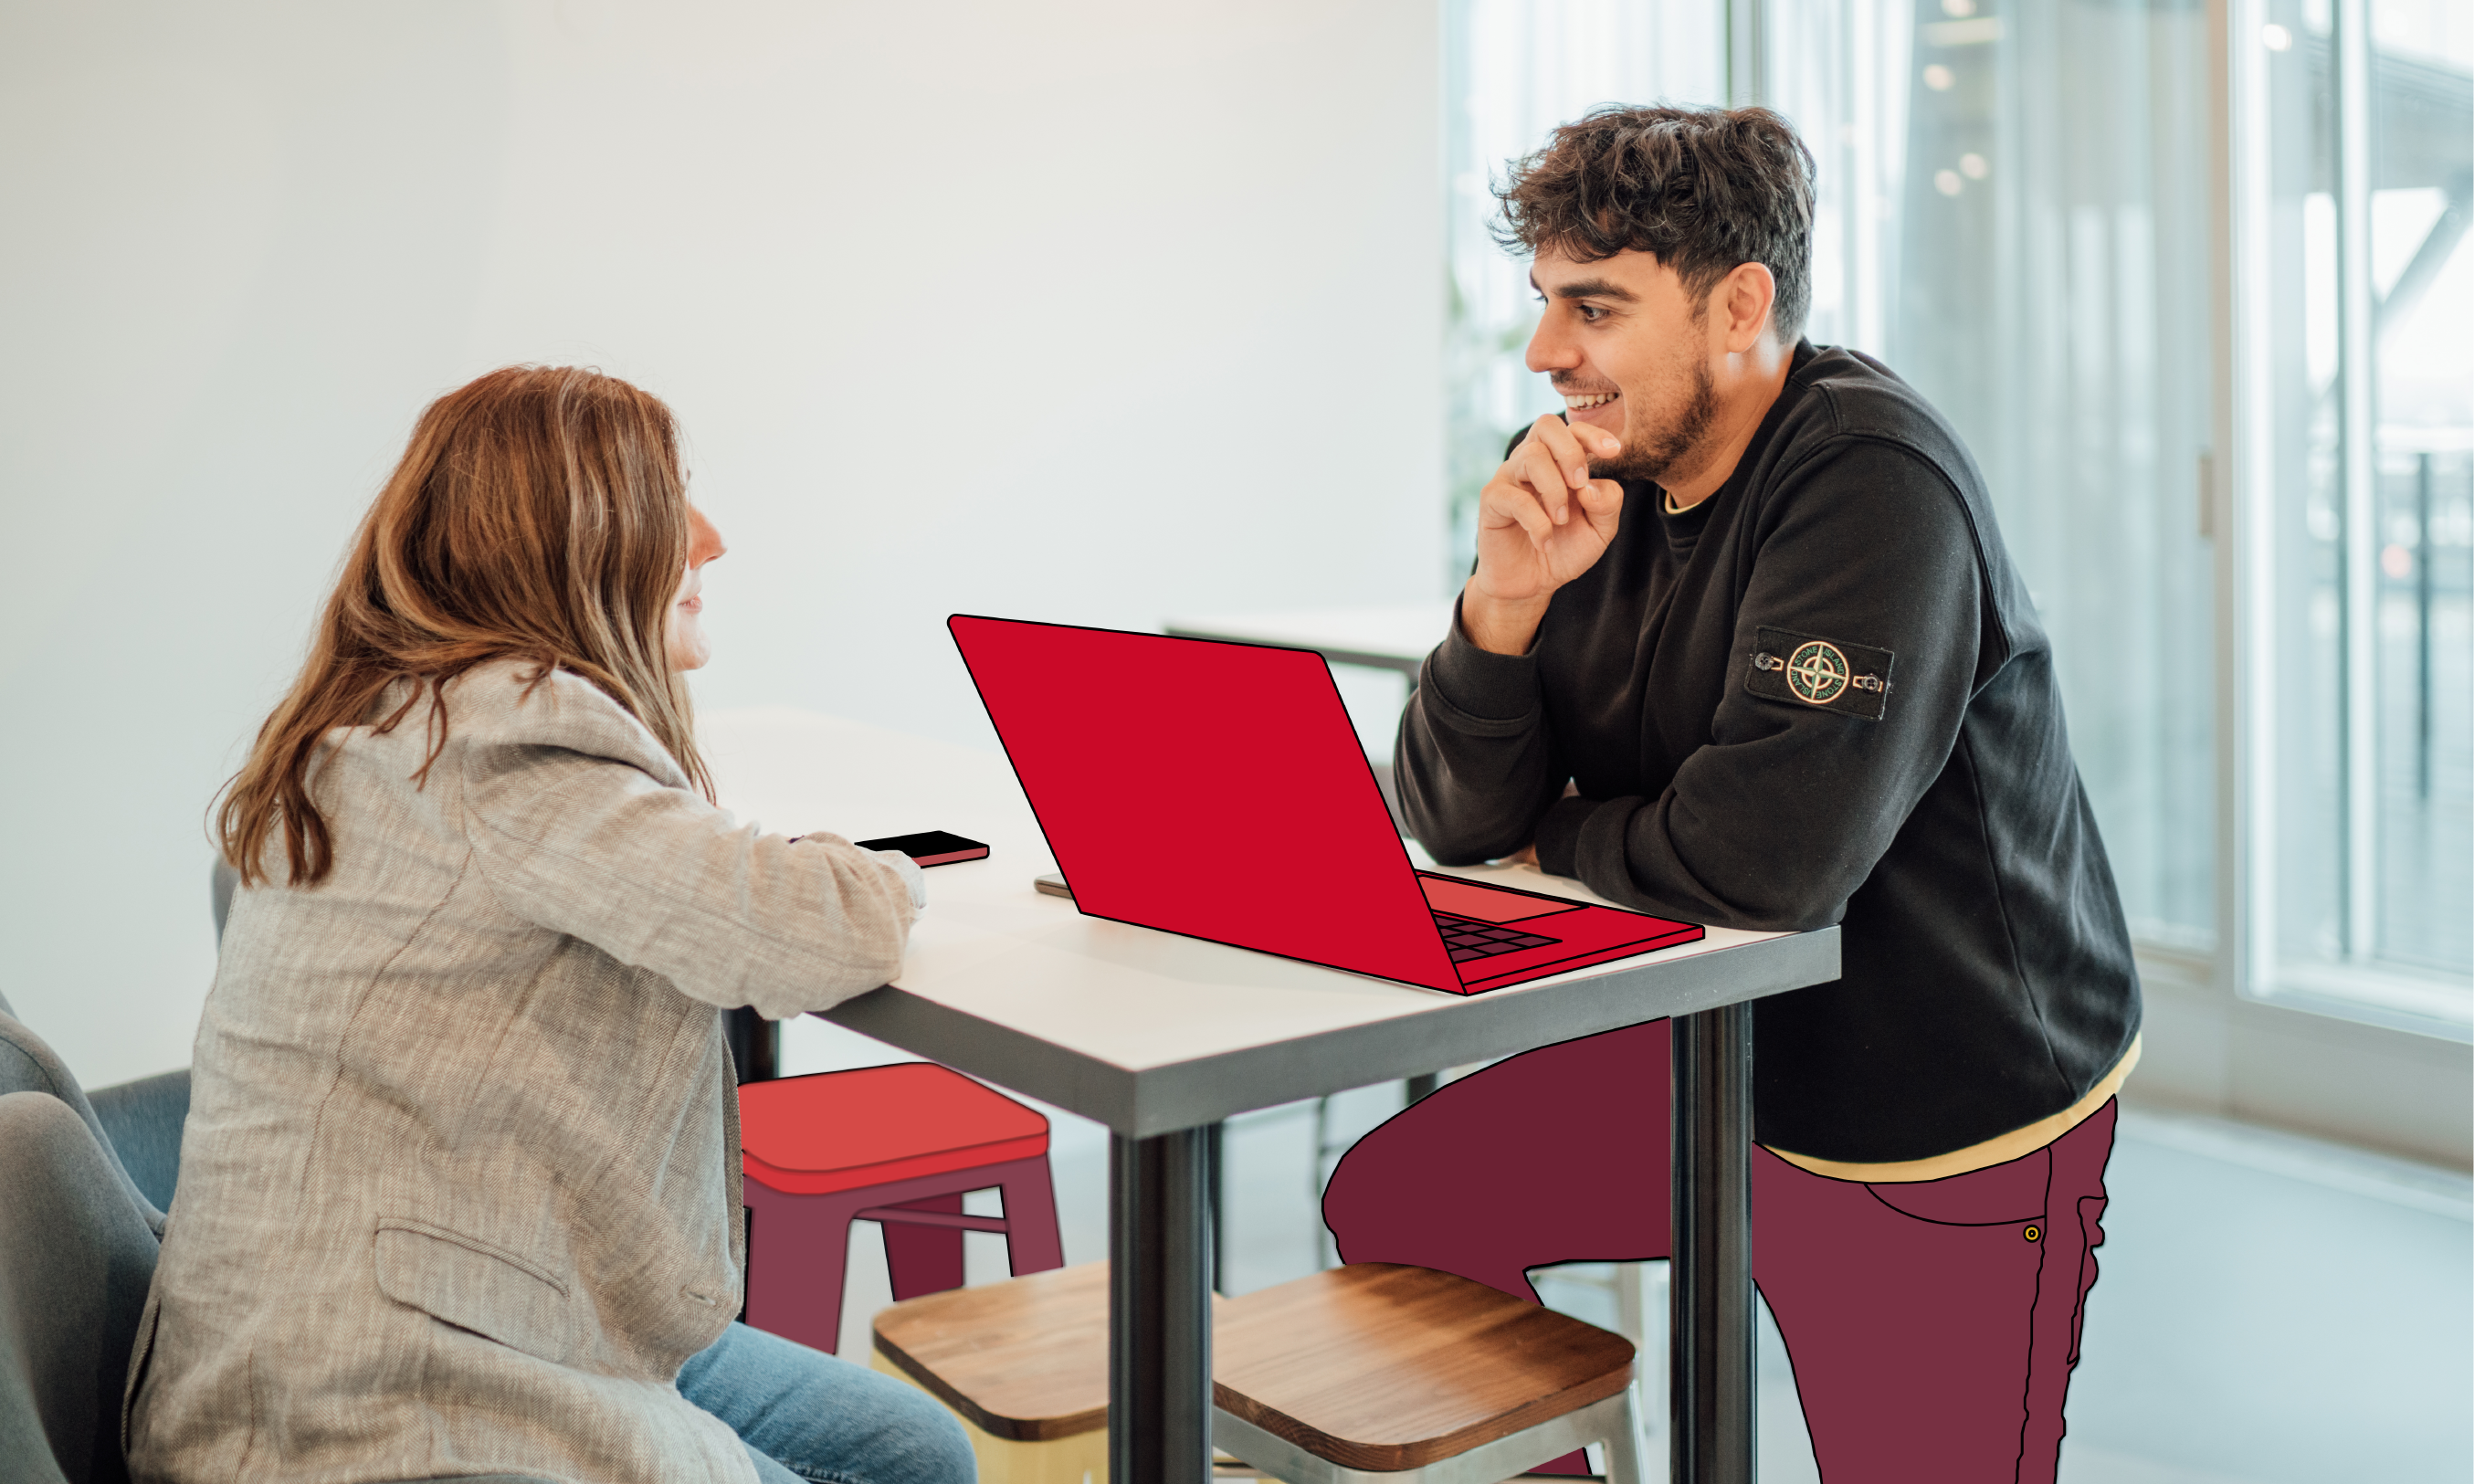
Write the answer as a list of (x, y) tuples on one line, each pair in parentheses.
[(1025, 1360), (1371, 1368), (1382, 1368)]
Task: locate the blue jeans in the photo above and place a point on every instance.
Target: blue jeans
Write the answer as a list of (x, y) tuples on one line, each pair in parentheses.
[(805, 1415)]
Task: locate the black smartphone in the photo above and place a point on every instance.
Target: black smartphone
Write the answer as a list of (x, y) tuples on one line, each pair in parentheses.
[(929, 847)]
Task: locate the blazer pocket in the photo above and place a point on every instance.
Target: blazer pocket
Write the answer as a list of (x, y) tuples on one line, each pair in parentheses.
[(475, 1285)]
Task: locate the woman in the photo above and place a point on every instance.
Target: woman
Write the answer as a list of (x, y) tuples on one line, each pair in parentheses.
[(459, 1191)]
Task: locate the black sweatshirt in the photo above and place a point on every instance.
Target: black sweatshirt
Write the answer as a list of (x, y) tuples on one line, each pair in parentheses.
[(1820, 695)]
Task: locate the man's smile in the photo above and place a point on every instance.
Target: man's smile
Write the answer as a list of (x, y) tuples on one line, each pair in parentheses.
[(1596, 408)]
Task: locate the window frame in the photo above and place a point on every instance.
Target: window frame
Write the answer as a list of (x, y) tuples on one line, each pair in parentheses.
[(2238, 510)]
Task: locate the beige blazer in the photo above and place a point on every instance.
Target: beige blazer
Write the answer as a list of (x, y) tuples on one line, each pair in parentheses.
[(459, 1190)]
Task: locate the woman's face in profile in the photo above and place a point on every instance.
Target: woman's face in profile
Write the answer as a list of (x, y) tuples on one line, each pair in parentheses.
[(689, 646)]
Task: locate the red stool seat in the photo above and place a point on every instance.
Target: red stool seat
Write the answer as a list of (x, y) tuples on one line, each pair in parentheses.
[(898, 1145), (812, 1135)]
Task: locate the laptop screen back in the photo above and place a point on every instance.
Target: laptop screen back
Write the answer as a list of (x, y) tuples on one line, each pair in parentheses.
[(1214, 790)]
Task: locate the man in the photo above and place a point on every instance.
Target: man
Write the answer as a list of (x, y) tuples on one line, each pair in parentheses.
[(1742, 646)]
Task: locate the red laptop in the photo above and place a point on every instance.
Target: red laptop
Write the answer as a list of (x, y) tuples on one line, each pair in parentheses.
[(1219, 790)]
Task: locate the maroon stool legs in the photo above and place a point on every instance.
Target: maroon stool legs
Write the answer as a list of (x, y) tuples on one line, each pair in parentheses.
[(799, 1246), (920, 1258), (1032, 1242)]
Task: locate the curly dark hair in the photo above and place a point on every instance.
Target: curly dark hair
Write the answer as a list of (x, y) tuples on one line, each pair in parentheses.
[(1699, 189)]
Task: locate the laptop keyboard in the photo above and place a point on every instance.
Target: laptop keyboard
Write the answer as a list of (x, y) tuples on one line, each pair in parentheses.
[(1469, 938)]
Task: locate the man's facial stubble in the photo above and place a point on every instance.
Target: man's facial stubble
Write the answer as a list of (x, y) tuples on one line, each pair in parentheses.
[(1651, 452)]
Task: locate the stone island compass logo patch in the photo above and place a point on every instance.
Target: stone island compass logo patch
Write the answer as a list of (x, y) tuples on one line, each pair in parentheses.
[(1811, 670), (1816, 673)]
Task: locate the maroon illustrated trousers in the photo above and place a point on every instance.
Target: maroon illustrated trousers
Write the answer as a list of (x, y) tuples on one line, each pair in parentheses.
[(1932, 1326)]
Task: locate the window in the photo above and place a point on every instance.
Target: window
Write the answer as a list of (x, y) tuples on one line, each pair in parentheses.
[(2036, 263), (2191, 283), (2354, 163)]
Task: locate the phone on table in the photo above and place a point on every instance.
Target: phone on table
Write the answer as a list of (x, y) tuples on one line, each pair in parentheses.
[(929, 847)]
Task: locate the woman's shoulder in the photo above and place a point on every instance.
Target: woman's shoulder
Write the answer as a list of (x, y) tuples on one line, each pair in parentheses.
[(514, 705)]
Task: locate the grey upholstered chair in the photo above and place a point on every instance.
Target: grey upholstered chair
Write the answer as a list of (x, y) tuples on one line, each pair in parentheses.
[(78, 1240), (83, 1186)]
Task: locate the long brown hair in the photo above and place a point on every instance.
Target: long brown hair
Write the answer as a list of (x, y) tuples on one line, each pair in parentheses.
[(539, 513)]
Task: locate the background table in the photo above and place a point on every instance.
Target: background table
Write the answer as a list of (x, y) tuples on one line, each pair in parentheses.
[(1158, 1036), (1396, 637)]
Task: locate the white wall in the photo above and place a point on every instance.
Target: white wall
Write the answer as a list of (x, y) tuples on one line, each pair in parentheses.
[(1090, 309)]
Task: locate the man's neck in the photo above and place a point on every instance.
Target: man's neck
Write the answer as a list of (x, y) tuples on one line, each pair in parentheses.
[(1741, 407)]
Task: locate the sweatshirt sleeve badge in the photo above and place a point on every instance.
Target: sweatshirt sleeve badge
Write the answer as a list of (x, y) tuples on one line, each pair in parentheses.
[(1811, 670)]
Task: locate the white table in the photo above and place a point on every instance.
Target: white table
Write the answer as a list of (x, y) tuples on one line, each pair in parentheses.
[(1158, 1036)]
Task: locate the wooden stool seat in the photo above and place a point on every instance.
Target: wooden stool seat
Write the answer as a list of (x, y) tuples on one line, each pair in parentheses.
[(1372, 1369)]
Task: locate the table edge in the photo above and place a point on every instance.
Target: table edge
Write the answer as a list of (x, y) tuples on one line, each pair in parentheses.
[(1149, 1101)]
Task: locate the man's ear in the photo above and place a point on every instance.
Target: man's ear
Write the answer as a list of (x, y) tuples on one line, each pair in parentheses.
[(1743, 300)]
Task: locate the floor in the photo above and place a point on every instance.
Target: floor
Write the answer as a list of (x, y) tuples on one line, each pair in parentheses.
[(2271, 1310)]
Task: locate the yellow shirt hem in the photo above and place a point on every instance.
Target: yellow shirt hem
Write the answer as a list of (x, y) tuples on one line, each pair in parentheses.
[(1999, 1150)]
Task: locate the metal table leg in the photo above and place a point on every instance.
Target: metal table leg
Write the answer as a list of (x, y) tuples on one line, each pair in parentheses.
[(1711, 1283), (1159, 1309), (755, 1045), (1215, 1157)]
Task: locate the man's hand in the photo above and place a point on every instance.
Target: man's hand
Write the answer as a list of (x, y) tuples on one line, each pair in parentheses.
[(1541, 522)]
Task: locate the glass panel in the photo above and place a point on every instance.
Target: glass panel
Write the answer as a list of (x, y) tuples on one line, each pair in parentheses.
[(2368, 430), (2421, 118), (2038, 268), (1514, 70), (2305, 854), (1843, 72)]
